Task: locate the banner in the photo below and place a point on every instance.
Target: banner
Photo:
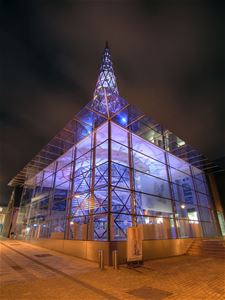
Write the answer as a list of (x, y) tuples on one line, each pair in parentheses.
[(134, 244)]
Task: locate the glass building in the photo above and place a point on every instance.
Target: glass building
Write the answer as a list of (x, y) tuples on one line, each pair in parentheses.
[(112, 167)]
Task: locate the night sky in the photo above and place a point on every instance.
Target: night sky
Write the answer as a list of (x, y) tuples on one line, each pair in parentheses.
[(168, 58)]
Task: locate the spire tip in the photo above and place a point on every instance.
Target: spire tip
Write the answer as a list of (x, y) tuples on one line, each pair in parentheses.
[(106, 44)]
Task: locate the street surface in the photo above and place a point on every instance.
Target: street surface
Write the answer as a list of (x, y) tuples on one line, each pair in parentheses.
[(31, 272)]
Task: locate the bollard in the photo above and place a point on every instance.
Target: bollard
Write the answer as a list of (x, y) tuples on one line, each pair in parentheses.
[(101, 259), (115, 259)]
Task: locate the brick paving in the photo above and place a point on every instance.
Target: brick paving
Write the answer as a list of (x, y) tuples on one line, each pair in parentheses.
[(31, 272)]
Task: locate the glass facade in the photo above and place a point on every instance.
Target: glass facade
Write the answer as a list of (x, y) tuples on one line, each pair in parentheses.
[(111, 168)]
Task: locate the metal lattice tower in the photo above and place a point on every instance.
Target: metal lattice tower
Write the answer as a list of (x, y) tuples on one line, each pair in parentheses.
[(106, 99)]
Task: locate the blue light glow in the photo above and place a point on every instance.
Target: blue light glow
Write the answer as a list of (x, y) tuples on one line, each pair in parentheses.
[(124, 120)]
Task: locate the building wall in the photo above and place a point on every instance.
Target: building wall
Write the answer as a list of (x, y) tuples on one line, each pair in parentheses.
[(90, 249), (114, 179)]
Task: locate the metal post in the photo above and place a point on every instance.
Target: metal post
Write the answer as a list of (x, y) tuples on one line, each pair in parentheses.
[(131, 174), (90, 229), (171, 192), (101, 259), (109, 184), (197, 198), (70, 198), (115, 259)]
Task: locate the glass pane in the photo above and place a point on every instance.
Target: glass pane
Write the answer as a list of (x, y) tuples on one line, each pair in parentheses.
[(127, 115), (181, 179), (101, 200), (120, 224), (204, 200), (198, 174), (101, 153), (148, 165), (151, 185), (184, 193), (83, 164), (63, 175), (209, 229), (152, 205), (101, 175), (65, 159), (205, 214), (118, 134), (179, 164), (82, 183), (146, 148), (102, 134), (49, 170), (184, 228), (119, 153), (121, 201), (149, 130), (120, 176), (84, 146)]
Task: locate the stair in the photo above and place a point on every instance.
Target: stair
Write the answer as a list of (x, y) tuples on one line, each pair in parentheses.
[(208, 247)]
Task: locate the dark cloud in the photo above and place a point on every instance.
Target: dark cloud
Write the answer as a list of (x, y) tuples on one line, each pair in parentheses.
[(168, 57)]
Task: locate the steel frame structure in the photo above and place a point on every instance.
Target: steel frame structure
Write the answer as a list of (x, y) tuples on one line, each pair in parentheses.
[(87, 183)]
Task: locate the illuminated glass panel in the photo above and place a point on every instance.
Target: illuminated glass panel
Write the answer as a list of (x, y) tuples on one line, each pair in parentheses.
[(118, 134), (152, 205), (101, 176), (148, 165), (121, 201), (179, 164), (120, 176), (84, 146), (65, 159), (151, 185), (83, 163), (204, 200), (148, 149), (102, 134), (102, 153), (63, 175), (119, 153)]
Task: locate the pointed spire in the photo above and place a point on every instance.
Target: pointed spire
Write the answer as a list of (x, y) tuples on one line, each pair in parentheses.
[(106, 99), (106, 44), (106, 78)]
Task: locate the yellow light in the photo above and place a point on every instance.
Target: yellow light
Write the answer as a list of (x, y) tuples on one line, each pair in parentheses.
[(182, 206), (159, 220)]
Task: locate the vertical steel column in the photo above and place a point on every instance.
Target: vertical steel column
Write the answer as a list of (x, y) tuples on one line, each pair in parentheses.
[(171, 194), (208, 184), (70, 198), (41, 188), (197, 198), (109, 181), (51, 196), (131, 173), (92, 198), (20, 212), (29, 212)]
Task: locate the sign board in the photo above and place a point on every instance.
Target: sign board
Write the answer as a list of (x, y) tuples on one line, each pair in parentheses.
[(134, 244)]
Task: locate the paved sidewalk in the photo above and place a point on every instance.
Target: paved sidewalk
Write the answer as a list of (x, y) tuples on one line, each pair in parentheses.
[(31, 272)]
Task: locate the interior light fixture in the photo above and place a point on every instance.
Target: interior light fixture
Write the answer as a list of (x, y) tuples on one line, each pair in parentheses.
[(124, 120)]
